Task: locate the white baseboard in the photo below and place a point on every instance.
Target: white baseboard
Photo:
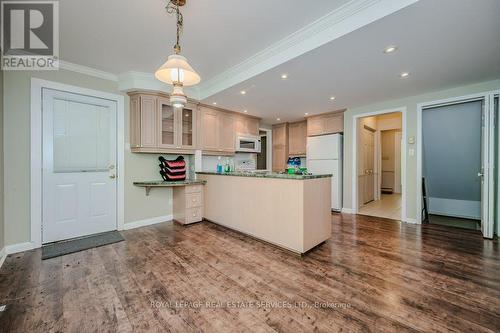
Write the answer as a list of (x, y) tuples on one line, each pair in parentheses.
[(346, 210), (410, 220), (146, 222), (19, 247), (3, 255), (455, 208)]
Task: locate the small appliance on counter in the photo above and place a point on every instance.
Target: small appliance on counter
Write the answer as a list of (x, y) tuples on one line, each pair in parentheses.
[(294, 166), (172, 170)]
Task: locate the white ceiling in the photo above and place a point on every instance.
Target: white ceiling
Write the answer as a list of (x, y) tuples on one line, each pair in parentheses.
[(443, 44), (118, 36)]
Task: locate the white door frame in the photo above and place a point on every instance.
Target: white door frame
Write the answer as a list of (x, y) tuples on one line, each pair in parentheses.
[(443, 102), (354, 175), (36, 151)]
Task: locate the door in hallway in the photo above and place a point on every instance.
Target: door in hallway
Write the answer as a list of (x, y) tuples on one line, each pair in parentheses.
[(368, 154)]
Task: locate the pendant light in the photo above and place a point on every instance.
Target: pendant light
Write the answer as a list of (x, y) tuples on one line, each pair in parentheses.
[(176, 70)]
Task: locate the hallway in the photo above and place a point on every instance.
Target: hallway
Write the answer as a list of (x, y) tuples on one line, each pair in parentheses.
[(389, 206)]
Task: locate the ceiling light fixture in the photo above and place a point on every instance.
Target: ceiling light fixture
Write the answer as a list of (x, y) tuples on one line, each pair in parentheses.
[(306, 114), (245, 111), (214, 103), (284, 76), (332, 98), (278, 119), (243, 92), (176, 70), (404, 74), (390, 49)]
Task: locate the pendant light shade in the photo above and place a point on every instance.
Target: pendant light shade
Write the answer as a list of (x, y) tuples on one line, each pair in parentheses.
[(177, 70)]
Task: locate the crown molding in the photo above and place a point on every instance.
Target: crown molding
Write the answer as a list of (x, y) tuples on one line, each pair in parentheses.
[(87, 71), (345, 19)]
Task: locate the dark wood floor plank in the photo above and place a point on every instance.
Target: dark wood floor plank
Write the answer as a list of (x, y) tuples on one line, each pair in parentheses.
[(396, 277)]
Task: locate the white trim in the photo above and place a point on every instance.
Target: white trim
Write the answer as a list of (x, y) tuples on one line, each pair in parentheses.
[(19, 247), (413, 221), (346, 211), (3, 256), (36, 150), (442, 102), (87, 71), (341, 21), (354, 169), (146, 222)]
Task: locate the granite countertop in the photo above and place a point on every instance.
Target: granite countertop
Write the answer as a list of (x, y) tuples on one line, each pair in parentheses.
[(266, 175), (162, 183)]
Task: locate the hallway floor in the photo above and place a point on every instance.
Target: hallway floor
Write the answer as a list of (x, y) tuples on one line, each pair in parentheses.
[(389, 206)]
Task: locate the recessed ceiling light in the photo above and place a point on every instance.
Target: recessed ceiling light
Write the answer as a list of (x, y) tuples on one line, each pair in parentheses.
[(284, 76), (404, 74), (332, 98), (214, 103), (306, 113), (278, 119), (245, 111), (243, 92), (390, 49)]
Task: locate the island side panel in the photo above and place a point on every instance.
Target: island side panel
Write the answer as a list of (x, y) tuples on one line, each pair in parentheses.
[(268, 209), (317, 225)]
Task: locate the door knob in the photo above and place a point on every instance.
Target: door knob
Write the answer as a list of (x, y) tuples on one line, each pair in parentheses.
[(113, 176), (480, 174)]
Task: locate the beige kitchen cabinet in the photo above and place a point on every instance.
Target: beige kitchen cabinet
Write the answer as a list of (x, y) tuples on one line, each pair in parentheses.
[(144, 122), (157, 127), (328, 123), (188, 204), (280, 147), (218, 132), (297, 138), (177, 127), (246, 125)]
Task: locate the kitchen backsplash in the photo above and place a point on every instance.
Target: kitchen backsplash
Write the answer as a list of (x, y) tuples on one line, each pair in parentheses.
[(242, 161)]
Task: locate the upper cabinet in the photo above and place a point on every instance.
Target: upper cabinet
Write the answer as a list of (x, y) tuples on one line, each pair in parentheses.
[(246, 125), (328, 123), (218, 132), (297, 138), (157, 127)]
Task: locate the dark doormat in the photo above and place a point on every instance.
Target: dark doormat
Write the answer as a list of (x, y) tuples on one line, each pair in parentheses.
[(76, 245)]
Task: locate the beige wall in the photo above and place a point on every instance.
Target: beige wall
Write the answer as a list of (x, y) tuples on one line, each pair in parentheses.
[(411, 123), (2, 234), (17, 90)]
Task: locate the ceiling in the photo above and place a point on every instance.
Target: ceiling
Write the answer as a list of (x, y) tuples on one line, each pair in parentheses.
[(117, 36), (442, 44)]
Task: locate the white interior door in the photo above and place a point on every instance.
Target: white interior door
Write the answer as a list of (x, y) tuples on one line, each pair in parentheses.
[(487, 173), (79, 165), (369, 161)]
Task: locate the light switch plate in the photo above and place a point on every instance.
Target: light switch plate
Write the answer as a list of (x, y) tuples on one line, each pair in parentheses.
[(411, 152)]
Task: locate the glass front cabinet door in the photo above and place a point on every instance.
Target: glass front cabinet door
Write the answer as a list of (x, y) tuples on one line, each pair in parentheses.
[(177, 126)]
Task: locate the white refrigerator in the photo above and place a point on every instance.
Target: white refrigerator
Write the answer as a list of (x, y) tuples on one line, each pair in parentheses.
[(324, 156)]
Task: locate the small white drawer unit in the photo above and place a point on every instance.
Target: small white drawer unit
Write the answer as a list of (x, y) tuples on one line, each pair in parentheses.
[(188, 204)]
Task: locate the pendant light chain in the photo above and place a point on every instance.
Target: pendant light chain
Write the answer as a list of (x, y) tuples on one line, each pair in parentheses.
[(171, 8)]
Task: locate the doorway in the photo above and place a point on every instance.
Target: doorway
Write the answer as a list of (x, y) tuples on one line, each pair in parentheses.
[(79, 165), (77, 154), (379, 165), (262, 156), (456, 162)]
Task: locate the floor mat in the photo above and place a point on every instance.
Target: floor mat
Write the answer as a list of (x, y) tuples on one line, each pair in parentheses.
[(76, 245)]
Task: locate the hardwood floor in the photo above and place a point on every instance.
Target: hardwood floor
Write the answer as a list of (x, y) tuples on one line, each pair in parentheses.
[(372, 275)]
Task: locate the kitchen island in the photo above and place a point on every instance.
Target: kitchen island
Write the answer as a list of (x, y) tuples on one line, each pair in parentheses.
[(290, 211)]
